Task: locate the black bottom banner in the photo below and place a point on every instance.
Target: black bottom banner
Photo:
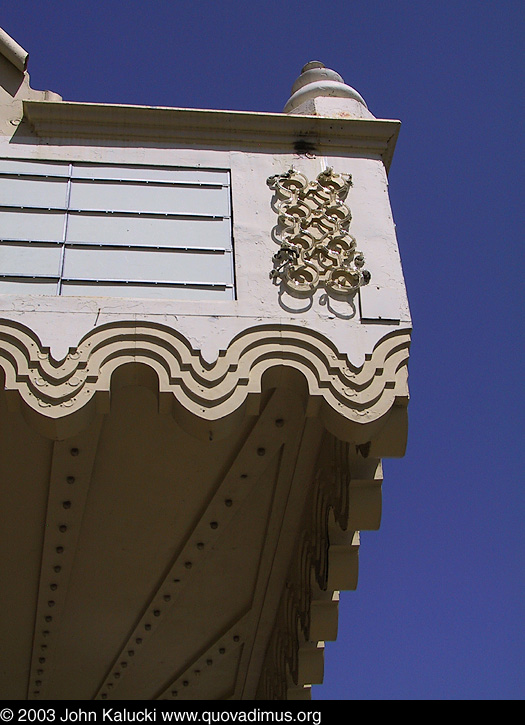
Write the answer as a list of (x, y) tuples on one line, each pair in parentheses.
[(168, 712)]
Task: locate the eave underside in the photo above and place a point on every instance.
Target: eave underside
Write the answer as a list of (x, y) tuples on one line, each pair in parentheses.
[(155, 563), (169, 557)]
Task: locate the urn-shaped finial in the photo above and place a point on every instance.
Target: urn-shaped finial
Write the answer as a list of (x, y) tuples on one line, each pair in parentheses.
[(320, 91)]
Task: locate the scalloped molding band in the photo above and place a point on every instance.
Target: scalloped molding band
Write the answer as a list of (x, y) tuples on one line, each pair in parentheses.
[(347, 398)]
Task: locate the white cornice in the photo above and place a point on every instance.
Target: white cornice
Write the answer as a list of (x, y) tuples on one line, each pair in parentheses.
[(14, 52), (211, 128)]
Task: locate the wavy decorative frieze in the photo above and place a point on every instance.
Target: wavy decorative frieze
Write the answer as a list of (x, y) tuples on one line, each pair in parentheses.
[(209, 392), (316, 247)]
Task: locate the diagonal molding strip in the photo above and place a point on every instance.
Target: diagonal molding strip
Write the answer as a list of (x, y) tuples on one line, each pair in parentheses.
[(290, 499), (268, 435), (226, 643)]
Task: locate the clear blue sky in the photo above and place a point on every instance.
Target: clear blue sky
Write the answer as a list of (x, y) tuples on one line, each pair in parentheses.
[(438, 613)]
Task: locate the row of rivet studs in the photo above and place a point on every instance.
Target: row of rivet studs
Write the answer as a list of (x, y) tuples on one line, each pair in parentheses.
[(45, 634), (204, 663), (157, 612), (176, 578)]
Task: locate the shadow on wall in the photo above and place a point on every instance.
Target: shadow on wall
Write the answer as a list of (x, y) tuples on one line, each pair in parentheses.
[(345, 308), (10, 77)]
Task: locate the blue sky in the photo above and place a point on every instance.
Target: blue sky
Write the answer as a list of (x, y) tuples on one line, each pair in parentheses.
[(438, 613)]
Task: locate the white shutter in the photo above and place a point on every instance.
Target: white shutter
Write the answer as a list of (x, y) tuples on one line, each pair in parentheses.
[(112, 230)]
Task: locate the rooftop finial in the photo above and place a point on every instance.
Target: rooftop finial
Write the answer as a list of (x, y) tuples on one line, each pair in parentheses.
[(312, 64), (320, 91)]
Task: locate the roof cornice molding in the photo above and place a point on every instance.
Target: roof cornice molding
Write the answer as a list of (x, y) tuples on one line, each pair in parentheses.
[(211, 128), (14, 52), (353, 403)]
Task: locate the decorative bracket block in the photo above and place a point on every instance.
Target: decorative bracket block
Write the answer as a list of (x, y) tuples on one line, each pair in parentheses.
[(316, 246)]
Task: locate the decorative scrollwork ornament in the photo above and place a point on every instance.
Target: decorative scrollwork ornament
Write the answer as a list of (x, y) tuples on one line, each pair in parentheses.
[(316, 246)]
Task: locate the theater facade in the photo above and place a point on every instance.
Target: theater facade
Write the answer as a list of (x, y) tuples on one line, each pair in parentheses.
[(204, 338)]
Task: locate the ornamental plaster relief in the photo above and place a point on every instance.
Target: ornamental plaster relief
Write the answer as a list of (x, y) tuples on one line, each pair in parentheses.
[(353, 402), (316, 247)]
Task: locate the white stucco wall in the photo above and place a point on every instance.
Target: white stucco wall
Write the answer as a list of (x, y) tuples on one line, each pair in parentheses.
[(60, 322)]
